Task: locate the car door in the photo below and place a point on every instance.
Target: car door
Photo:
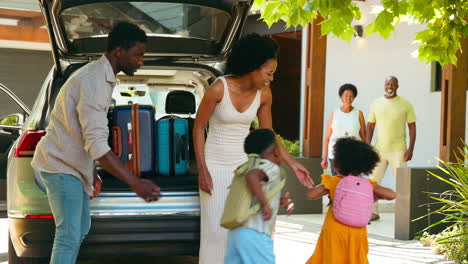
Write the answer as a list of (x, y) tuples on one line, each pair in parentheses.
[(10, 127)]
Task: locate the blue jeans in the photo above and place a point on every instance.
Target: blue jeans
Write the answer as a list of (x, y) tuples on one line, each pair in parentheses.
[(248, 246), (70, 207)]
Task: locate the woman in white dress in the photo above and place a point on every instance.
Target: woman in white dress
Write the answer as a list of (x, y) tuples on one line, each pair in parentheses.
[(229, 106), (345, 121)]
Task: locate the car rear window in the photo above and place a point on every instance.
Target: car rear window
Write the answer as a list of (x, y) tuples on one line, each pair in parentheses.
[(156, 19)]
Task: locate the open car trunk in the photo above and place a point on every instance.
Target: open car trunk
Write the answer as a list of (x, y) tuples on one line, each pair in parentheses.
[(150, 86)]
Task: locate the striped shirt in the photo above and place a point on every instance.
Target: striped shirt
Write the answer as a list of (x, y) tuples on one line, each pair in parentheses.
[(256, 221)]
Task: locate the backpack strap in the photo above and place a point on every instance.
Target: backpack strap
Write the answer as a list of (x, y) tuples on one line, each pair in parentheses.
[(269, 195), (253, 161)]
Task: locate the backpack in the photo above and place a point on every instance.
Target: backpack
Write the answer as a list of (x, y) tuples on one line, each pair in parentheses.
[(238, 206), (353, 201)]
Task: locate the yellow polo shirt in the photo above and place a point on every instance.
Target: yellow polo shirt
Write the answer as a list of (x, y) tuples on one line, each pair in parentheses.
[(391, 117)]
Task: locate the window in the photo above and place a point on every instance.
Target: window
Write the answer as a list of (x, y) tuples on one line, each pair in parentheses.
[(156, 19), (436, 77)]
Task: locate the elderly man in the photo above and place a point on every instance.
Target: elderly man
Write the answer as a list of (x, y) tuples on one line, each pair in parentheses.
[(391, 112)]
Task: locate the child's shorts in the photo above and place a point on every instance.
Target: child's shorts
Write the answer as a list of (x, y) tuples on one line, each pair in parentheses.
[(248, 246)]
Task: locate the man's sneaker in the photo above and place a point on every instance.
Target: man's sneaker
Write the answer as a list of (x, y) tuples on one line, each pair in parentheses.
[(375, 217)]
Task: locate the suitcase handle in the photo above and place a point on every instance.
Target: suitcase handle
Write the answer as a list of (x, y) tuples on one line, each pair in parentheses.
[(185, 151), (178, 148), (116, 141), (136, 140)]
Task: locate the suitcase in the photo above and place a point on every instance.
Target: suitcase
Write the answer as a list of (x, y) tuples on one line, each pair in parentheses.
[(172, 146), (174, 137), (133, 137)]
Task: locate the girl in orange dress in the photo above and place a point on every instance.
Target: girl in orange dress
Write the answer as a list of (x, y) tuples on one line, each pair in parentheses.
[(339, 243)]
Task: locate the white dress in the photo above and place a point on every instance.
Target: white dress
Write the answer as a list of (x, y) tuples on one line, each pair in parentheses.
[(343, 125), (224, 152)]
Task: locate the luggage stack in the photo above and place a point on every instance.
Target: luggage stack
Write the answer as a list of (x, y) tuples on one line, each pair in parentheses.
[(150, 148)]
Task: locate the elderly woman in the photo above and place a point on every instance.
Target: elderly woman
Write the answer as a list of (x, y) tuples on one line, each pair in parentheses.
[(345, 121), (229, 106)]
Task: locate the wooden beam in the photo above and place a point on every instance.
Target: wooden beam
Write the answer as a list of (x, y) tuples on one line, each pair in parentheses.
[(13, 13), (25, 18), (453, 111), (31, 22), (315, 90), (24, 34), (293, 35)]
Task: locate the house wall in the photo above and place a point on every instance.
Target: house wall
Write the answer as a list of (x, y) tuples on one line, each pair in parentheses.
[(23, 72), (367, 61)]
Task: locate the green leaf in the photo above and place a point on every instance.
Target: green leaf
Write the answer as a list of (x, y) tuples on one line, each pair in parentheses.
[(383, 24), (445, 20), (295, 17), (271, 12), (402, 7)]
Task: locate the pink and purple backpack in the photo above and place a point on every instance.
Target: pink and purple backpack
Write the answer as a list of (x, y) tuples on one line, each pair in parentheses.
[(353, 201)]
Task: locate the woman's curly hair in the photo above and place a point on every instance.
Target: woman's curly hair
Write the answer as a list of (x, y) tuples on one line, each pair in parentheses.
[(354, 157), (250, 53)]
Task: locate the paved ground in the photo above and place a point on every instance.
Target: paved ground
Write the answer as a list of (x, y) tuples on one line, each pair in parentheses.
[(295, 240), (296, 236)]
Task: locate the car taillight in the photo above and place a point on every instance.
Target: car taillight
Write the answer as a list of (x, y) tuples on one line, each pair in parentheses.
[(39, 217), (28, 143)]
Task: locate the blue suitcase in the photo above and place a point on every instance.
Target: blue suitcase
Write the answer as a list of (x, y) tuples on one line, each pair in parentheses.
[(172, 146), (132, 138), (174, 137)]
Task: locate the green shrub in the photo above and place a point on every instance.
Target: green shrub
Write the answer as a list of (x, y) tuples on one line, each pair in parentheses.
[(453, 241), (292, 147), (456, 249)]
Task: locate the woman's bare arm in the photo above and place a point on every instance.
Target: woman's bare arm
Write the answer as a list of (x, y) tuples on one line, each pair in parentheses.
[(264, 120), (362, 130), (213, 95), (324, 162)]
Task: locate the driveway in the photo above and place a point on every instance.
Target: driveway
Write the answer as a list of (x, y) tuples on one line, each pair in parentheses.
[(295, 240)]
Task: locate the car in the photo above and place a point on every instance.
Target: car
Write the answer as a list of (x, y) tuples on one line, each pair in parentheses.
[(9, 132), (187, 45)]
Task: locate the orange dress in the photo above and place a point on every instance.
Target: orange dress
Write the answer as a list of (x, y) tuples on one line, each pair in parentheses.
[(339, 243)]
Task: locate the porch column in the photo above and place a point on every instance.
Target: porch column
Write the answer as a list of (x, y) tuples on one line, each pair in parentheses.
[(314, 90), (453, 101)]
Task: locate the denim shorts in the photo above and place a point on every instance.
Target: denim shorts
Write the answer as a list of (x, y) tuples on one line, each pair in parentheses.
[(248, 246)]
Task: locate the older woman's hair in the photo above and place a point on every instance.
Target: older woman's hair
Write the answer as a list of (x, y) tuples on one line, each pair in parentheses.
[(349, 87), (250, 53)]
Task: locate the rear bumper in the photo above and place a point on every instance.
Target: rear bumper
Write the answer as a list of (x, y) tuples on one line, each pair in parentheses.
[(160, 236)]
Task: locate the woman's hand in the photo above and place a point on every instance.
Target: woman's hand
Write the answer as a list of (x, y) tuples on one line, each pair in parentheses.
[(302, 174), (205, 183), (324, 164)]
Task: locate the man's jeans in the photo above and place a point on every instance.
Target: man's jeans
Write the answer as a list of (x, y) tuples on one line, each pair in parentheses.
[(70, 207)]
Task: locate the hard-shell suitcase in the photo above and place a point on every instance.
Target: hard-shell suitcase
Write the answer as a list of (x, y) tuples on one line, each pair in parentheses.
[(172, 146), (174, 134), (133, 137)]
